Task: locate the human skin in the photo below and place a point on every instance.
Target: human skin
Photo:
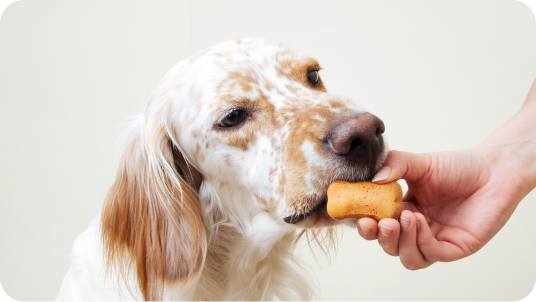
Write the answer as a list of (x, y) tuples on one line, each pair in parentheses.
[(457, 200)]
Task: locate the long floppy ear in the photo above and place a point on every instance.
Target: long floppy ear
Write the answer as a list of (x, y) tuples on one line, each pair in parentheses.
[(151, 219)]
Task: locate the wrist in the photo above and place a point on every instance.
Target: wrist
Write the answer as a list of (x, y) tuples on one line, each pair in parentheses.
[(513, 159)]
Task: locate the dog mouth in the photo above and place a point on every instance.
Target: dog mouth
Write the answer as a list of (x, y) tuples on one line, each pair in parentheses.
[(316, 207), (319, 208)]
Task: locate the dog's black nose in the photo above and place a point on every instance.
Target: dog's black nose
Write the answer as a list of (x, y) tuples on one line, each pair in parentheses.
[(358, 139)]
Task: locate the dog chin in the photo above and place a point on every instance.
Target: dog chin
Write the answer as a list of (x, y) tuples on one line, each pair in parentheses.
[(320, 219), (317, 217)]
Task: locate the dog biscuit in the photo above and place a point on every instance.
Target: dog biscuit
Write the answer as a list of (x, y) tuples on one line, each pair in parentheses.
[(364, 199)]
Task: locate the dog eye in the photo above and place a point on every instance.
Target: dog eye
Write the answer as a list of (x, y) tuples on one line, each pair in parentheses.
[(313, 77), (234, 118)]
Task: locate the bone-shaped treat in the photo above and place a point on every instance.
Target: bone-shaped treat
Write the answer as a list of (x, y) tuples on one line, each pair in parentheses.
[(364, 199)]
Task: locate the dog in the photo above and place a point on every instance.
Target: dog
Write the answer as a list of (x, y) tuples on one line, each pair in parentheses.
[(227, 167)]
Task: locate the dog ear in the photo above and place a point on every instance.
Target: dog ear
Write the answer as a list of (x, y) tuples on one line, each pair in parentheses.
[(151, 218)]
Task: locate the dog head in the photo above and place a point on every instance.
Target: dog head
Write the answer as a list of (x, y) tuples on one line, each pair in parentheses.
[(252, 123), (256, 121)]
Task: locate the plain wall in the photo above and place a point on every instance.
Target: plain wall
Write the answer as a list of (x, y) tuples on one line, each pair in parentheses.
[(442, 75)]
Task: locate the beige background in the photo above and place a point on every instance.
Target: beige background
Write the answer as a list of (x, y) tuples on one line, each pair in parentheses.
[(441, 75)]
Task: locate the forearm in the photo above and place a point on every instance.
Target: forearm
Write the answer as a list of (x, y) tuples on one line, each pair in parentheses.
[(514, 143)]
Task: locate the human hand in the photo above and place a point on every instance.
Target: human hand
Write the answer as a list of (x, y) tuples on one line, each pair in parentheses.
[(456, 202)]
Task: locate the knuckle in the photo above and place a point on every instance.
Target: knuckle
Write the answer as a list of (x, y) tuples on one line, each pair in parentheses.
[(431, 258)]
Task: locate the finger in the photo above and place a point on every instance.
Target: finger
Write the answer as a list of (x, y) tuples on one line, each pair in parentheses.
[(432, 249), (406, 165), (388, 235), (409, 253), (427, 244), (367, 228)]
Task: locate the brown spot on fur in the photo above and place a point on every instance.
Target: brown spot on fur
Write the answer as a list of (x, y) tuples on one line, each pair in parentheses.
[(227, 159), (293, 68), (337, 103), (268, 205)]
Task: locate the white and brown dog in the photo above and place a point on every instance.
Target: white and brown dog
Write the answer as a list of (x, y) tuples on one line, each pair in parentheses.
[(225, 169)]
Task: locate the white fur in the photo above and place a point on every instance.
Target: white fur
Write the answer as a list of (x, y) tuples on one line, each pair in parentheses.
[(248, 245)]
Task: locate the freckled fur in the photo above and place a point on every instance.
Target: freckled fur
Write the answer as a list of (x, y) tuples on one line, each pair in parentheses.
[(196, 211)]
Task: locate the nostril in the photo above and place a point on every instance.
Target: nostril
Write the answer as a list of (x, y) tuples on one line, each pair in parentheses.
[(381, 128), (356, 143)]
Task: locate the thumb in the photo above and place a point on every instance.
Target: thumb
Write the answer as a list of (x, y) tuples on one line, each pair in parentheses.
[(405, 165)]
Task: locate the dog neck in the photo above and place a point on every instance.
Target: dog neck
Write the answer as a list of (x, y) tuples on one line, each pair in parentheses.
[(248, 259)]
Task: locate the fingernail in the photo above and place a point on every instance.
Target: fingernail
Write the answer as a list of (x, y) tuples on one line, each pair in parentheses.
[(382, 174), (418, 222), (385, 230), (363, 227), (404, 223)]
